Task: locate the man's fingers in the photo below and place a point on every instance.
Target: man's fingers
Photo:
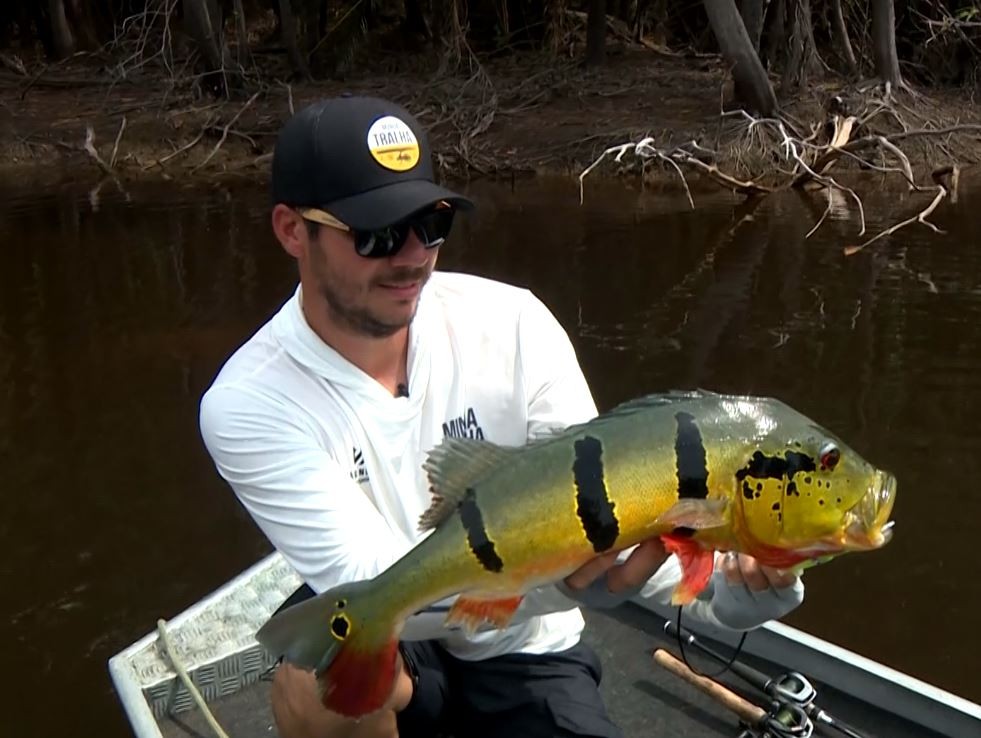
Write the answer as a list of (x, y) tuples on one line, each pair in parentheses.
[(778, 579), (742, 569), (588, 572), (639, 566)]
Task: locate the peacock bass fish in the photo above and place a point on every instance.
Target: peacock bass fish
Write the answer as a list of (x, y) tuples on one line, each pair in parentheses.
[(705, 472)]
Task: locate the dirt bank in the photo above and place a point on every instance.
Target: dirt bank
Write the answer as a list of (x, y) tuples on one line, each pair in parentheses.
[(511, 116)]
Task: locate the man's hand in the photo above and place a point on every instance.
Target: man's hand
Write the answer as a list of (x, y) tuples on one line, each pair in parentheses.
[(632, 573), (744, 569)]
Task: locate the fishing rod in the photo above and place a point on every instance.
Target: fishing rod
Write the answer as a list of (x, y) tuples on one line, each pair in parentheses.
[(780, 721), (790, 688)]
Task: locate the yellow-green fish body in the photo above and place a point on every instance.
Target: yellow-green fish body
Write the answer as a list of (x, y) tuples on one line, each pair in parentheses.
[(703, 471)]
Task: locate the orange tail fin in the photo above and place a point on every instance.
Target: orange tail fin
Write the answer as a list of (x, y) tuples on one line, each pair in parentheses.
[(696, 567)]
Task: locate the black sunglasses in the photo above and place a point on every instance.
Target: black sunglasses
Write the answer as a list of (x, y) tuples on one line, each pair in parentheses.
[(431, 227)]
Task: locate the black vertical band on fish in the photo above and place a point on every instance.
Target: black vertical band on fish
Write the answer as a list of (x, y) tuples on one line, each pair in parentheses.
[(689, 451), (594, 506), (480, 544)]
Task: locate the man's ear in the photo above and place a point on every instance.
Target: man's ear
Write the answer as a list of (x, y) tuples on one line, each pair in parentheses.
[(290, 230)]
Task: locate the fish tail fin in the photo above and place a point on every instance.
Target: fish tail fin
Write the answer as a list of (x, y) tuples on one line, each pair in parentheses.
[(348, 638)]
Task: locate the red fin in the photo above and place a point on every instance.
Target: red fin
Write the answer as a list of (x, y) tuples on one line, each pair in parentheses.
[(472, 612), (359, 681), (697, 564)]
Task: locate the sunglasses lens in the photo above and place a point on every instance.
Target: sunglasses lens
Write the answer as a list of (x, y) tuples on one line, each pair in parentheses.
[(434, 227), (382, 242), (431, 229)]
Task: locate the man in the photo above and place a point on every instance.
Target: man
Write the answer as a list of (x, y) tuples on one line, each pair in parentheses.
[(321, 421)]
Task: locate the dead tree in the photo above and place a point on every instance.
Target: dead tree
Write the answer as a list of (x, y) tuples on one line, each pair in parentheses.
[(884, 43), (752, 86)]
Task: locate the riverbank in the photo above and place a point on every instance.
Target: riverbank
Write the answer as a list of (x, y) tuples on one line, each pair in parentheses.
[(513, 116)]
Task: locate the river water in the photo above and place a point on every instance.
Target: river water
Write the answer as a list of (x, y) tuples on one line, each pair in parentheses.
[(117, 309)]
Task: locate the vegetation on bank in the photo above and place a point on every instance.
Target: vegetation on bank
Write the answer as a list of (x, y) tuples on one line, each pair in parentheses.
[(810, 86), (228, 45)]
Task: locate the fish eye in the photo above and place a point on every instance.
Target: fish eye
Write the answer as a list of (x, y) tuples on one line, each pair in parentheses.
[(830, 456)]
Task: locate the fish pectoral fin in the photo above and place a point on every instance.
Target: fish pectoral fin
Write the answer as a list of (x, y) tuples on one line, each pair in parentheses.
[(696, 514), (696, 562), (473, 611)]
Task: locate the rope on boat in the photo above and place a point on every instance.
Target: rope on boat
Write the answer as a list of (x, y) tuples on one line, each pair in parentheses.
[(182, 673)]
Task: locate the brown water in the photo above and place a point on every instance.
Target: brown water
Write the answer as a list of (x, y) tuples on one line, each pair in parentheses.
[(116, 313)]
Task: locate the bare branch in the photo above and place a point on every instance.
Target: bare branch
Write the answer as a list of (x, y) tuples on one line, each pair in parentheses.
[(224, 133)]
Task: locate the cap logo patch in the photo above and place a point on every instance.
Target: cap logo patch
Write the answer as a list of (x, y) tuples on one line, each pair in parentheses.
[(393, 144)]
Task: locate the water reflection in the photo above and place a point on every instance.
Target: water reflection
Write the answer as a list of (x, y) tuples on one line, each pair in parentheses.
[(114, 318)]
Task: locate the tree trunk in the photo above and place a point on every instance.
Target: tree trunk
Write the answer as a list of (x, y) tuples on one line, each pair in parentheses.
[(777, 34), (884, 42), (203, 21), (61, 32), (753, 12), (841, 37), (596, 33), (288, 25), (752, 84), (803, 59)]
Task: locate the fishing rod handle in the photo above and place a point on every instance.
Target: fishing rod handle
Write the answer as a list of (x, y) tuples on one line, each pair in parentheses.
[(744, 710)]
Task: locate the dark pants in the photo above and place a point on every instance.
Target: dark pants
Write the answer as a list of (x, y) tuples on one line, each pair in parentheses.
[(554, 695)]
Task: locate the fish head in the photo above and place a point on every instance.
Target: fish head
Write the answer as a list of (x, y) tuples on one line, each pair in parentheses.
[(803, 494)]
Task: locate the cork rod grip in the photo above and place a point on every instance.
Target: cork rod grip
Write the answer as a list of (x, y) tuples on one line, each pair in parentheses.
[(746, 711)]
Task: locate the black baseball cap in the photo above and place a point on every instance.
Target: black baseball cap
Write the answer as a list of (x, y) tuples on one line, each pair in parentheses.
[(363, 159)]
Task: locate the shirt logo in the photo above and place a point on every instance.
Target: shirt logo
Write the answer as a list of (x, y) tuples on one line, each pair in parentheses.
[(464, 426), (393, 144), (360, 471)]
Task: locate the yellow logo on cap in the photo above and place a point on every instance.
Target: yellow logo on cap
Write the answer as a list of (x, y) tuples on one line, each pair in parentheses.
[(393, 144)]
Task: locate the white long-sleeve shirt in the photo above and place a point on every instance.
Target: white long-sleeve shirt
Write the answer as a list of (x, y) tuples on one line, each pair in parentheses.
[(329, 464)]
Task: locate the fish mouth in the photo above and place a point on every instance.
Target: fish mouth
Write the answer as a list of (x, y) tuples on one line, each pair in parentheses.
[(867, 524)]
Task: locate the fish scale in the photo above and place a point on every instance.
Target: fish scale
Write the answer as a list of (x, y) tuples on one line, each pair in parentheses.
[(704, 472)]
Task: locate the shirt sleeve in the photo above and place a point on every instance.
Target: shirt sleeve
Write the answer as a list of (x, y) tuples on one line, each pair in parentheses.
[(295, 490)]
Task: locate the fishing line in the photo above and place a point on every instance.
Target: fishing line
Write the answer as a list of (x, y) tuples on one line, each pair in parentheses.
[(684, 657)]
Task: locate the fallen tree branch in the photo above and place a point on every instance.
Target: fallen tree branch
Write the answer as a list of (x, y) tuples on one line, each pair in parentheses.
[(224, 134), (921, 217), (89, 147), (115, 146)]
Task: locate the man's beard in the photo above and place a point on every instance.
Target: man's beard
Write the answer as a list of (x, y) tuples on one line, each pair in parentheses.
[(360, 319)]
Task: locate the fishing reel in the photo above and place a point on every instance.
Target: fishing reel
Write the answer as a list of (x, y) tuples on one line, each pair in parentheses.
[(783, 720), (792, 687)]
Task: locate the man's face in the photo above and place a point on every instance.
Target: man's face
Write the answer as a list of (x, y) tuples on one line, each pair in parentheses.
[(368, 297)]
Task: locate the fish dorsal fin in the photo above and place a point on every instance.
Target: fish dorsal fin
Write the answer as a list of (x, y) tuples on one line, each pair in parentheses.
[(453, 466), (659, 399)]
